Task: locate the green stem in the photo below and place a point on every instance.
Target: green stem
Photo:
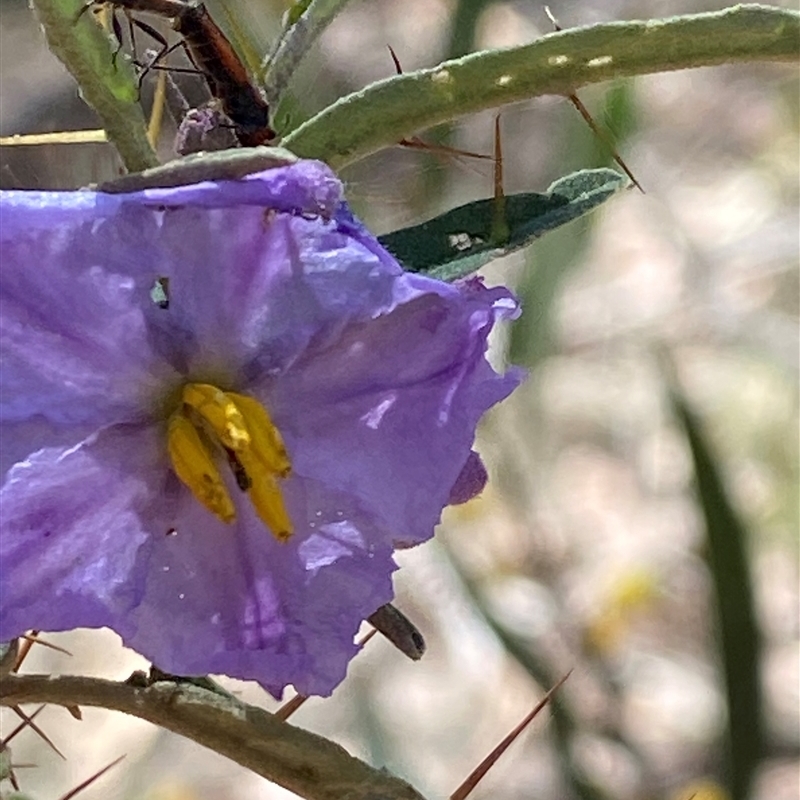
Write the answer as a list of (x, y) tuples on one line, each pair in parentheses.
[(559, 63), (109, 88), (293, 46)]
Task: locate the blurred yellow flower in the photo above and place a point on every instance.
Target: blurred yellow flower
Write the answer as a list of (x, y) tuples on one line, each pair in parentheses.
[(632, 593), (701, 790)]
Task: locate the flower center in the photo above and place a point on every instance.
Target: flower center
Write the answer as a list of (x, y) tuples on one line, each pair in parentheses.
[(209, 421)]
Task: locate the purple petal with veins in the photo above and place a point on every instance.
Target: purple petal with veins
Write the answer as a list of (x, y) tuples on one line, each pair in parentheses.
[(375, 378)]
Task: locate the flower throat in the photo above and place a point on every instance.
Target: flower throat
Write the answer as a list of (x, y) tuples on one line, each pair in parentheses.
[(208, 420)]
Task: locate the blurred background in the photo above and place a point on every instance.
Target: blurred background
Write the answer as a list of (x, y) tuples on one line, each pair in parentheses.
[(588, 550)]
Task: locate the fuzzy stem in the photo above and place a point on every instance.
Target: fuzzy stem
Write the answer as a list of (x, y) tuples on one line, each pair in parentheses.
[(559, 63), (108, 87)]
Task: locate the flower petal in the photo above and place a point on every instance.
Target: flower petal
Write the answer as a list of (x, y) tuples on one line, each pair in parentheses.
[(388, 411), (242, 604), (73, 337), (102, 534), (375, 379), (249, 291), (470, 481), (72, 531)]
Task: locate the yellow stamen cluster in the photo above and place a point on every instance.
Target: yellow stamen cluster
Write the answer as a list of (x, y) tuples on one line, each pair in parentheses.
[(241, 427)]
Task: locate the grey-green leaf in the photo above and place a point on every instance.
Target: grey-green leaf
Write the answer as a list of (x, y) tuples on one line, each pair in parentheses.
[(225, 165), (461, 241), (559, 63)]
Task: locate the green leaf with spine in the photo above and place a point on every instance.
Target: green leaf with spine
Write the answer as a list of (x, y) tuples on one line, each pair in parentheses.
[(459, 242), (559, 63)]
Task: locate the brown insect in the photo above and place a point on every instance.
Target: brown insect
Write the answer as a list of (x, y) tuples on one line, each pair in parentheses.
[(213, 55)]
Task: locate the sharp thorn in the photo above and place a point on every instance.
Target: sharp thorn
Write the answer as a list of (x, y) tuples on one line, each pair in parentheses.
[(396, 60), (24, 724), (33, 726), (290, 706), (81, 786), (480, 771)]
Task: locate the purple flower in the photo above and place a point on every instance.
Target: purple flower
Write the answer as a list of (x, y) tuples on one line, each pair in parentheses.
[(117, 312)]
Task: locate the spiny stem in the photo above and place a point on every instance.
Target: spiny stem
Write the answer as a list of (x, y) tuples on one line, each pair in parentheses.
[(480, 771), (559, 63), (302, 762)]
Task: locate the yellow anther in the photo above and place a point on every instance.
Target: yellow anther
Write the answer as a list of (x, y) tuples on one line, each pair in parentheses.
[(219, 412), (194, 465), (266, 442), (241, 428), (267, 500)]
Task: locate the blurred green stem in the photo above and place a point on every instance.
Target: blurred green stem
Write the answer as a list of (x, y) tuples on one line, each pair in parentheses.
[(558, 63), (737, 625), (564, 723), (464, 22), (301, 32)]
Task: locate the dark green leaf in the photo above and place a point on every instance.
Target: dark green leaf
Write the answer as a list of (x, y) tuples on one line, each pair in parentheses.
[(461, 241), (726, 545)]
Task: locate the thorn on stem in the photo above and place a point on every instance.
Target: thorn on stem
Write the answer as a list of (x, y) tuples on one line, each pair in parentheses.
[(397, 68), (81, 786), (584, 112), (24, 649), (24, 724), (34, 727), (480, 771), (500, 232), (415, 143), (50, 645), (290, 706)]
